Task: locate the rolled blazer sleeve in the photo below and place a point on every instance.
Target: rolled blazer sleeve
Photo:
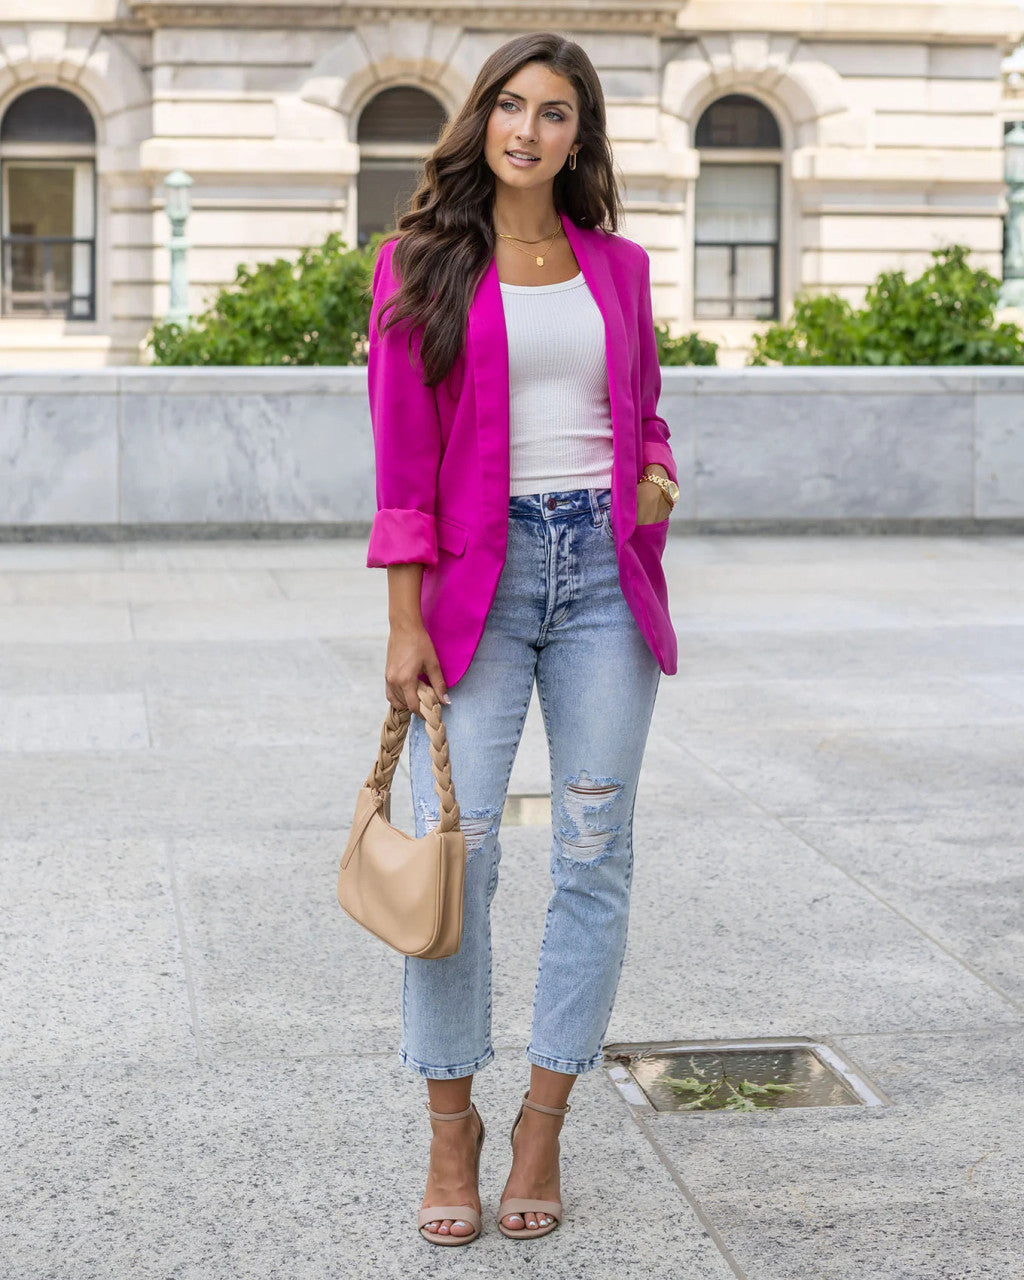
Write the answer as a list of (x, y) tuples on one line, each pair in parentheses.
[(406, 438), (653, 429)]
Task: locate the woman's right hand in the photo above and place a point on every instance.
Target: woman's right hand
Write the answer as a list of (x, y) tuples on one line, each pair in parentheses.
[(411, 651)]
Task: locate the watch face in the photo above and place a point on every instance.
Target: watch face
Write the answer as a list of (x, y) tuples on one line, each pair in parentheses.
[(673, 490)]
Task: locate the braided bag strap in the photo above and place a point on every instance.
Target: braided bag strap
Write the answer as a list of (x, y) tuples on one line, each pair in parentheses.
[(392, 739)]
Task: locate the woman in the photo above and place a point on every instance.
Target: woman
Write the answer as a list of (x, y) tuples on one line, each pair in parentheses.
[(524, 485)]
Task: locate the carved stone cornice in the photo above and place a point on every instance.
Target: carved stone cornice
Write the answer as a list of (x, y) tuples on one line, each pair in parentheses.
[(990, 22), (656, 17)]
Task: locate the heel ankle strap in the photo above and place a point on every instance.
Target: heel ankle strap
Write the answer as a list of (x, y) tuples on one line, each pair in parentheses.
[(450, 1115), (548, 1111)]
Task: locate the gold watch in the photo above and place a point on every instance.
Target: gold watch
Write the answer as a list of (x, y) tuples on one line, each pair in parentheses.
[(668, 487)]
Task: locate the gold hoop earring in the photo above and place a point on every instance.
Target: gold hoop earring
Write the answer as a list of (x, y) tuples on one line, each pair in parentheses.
[(572, 160)]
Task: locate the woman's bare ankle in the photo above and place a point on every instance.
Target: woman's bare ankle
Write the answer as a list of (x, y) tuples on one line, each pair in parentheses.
[(450, 1096)]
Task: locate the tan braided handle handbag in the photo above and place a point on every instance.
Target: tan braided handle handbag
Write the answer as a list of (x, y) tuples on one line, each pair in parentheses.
[(406, 891)]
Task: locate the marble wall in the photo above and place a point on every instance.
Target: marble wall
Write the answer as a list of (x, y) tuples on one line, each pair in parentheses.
[(131, 449)]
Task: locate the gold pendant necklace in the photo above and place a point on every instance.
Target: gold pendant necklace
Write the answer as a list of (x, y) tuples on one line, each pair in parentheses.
[(538, 258)]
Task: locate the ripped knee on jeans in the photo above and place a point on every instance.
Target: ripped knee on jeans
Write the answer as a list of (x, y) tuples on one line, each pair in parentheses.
[(476, 824), (583, 835)]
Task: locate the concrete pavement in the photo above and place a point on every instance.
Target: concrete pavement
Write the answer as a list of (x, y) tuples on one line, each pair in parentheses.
[(199, 1078)]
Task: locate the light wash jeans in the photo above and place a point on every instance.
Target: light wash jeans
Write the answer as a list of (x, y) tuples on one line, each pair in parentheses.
[(559, 616)]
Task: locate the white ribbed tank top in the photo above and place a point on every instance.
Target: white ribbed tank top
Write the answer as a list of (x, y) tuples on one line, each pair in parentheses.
[(560, 426)]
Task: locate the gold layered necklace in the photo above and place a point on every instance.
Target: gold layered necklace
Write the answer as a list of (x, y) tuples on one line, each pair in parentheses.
[(537, 257)]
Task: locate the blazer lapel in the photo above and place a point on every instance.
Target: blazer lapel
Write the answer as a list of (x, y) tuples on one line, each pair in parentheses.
[(487, 341), (488, 351)]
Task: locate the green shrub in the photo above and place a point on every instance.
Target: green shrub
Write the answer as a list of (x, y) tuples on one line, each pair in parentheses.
[(690, 348), (945, 317), (315, 310)]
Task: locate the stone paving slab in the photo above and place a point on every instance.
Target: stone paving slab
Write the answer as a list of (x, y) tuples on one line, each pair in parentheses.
[(959, 878), (269, 619), (927, 1188), (39, 623), (878, 652), (199, 1070), (92, 954), (139, 585), (301, 1167), (830, 772), (202, 788), (907, 702), (73, 722), (170, 667), (745, 925)]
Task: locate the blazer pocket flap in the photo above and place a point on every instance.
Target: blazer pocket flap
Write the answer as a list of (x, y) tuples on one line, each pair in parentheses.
[(451, 535)]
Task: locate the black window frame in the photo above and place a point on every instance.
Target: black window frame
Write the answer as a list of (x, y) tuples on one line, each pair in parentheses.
[(767, 139), (51, 300), (733, 245)]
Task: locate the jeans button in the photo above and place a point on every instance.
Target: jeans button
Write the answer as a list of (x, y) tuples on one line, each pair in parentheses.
[(552, 503)]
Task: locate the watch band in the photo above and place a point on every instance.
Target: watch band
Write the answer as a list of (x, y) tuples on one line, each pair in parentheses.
[(662, 484)]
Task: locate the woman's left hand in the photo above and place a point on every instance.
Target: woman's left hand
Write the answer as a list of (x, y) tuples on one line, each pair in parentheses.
[(651, 502)]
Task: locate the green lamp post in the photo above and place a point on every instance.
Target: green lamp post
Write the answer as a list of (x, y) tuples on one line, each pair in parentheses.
[(177, 208), (1012, 292)]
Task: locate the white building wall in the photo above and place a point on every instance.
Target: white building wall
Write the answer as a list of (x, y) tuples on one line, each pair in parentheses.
[(891, 116)]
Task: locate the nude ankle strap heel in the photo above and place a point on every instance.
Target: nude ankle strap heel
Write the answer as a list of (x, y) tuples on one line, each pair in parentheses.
[(553, 1208), (450, 1115), (548, 1111), (461, 1212)]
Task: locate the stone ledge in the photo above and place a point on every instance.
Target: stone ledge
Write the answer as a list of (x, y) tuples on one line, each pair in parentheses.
[(228, 452)]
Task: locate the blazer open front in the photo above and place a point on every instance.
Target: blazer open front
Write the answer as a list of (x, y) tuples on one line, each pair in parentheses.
[(442, 453)]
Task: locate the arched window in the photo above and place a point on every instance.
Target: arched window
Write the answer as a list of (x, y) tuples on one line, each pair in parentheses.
[(396, 129), (48, 204), (736, 251)]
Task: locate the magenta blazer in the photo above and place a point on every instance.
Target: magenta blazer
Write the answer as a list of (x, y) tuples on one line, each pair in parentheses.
[(442, 453)]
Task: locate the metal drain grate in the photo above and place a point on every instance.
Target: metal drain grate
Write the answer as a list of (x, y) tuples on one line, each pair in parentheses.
[(746, 1075), (527, 809)]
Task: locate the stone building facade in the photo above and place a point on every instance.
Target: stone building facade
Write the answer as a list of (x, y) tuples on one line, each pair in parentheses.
[(763, 147)]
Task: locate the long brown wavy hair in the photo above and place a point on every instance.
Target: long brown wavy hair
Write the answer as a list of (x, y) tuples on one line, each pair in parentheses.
[(446, 236)]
